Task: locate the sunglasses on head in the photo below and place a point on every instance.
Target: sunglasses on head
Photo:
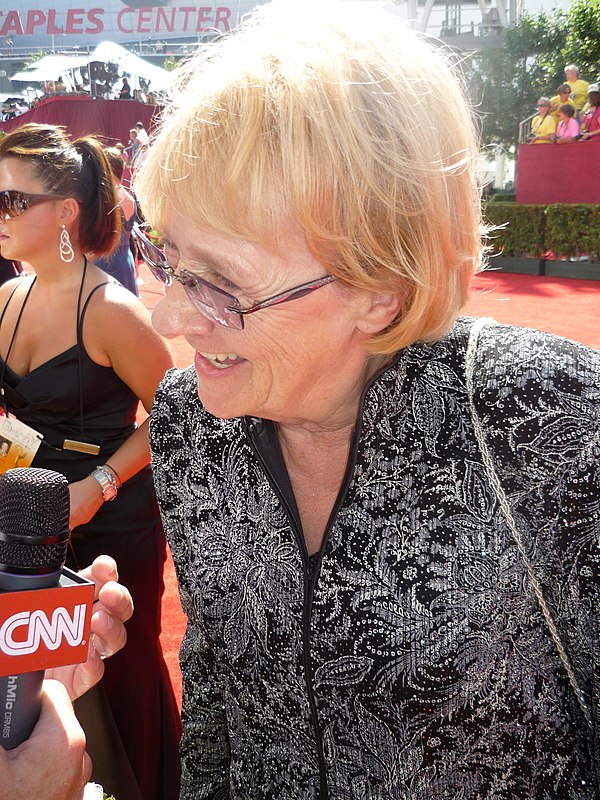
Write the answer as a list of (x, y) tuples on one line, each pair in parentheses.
[(211, 301), (14, 203)]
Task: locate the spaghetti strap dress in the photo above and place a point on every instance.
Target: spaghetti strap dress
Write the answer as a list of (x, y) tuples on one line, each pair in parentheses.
[(132, 721)]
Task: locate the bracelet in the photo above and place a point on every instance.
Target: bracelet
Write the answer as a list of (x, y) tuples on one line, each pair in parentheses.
[(108, 484), (118, 481)]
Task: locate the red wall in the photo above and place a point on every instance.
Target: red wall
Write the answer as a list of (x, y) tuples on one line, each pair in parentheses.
[(559, 173), (109, 119)]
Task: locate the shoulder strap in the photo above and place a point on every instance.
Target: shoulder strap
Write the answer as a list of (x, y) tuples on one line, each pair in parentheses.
[(488, 463), (10, 297), (81, 316)]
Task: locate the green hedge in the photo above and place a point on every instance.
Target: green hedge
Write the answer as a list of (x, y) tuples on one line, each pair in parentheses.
[(525, 230), (573, 230), (516, 230)]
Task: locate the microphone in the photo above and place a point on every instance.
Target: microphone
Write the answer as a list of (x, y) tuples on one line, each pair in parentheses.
[(37, 630)]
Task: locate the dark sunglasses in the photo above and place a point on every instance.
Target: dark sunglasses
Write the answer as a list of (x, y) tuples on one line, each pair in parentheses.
[(211, 301), (14, 203)]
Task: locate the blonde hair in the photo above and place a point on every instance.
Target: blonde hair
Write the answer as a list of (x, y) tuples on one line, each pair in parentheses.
[(342, 123)]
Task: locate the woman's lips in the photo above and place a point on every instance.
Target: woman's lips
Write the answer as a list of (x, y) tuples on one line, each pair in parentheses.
[(217, 362)]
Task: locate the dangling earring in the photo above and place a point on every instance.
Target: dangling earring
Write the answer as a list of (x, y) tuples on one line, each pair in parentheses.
[(67, 254)]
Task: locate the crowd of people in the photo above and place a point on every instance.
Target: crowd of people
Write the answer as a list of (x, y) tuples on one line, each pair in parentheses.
[(108, 89), (382, 515), (571, 115)]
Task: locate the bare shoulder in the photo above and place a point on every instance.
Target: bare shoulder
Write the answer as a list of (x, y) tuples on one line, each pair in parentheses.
[(6, 289), (117, 323)]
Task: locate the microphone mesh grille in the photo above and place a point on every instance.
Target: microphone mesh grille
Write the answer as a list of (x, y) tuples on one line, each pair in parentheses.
[(33, 502)]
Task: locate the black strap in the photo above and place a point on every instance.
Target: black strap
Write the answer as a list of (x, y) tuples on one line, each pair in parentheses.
[(12, 339)]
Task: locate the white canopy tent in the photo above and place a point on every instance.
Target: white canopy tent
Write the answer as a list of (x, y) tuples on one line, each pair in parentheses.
[(136, 67), (50, 67)]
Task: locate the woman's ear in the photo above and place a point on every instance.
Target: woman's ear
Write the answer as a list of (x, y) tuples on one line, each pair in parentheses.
[(380, 310), (69, 212)]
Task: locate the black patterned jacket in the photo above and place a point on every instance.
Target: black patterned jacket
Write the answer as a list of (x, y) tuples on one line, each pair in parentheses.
[(413, 660)]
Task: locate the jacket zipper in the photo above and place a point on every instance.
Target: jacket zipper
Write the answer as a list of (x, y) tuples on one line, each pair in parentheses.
[(311, 580)]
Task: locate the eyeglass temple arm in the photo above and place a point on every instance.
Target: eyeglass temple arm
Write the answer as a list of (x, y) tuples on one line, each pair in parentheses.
[(283, 297)]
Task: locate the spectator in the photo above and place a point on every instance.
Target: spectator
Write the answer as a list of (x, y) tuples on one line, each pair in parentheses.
[(578, 86), (138, 96), (563, 96), (120, 263), (150, 99), (132, 146), (568, 127), (125, 93), (142, 134), (543, 125), (590, 123)]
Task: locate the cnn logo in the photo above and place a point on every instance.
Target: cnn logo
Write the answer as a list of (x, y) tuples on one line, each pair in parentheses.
[(33, 627)]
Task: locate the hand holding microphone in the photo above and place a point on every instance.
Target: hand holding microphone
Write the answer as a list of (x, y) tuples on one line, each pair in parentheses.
[(52, 764), (34, 513), (112, 607)]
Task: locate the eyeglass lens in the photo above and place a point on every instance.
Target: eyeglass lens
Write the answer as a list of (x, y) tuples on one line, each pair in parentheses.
[(209, 300)]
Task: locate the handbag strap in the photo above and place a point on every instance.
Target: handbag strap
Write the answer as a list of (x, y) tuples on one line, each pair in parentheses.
[(492, 473)]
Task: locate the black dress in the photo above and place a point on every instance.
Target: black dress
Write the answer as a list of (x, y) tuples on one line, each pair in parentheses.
[(72, 397)]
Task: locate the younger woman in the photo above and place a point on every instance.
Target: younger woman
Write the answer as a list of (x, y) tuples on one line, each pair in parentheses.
[(77, 354)]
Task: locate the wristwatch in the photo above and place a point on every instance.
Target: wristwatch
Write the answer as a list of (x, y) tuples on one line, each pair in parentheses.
[(107, 481)]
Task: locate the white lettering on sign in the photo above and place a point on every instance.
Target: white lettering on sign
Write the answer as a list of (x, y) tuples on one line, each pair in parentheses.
[(39, 628)]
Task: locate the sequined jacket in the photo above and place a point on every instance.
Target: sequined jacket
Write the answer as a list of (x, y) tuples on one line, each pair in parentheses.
[(413, 661)]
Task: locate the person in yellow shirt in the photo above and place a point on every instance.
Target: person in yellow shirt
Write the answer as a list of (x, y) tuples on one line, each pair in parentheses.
[(562, 98), (543, 125), (578, 86)]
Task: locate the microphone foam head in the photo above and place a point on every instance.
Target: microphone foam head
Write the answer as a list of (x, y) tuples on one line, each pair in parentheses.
[(34, 513)]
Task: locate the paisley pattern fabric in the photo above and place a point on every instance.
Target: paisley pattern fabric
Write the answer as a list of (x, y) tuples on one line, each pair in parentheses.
[(413, 661)]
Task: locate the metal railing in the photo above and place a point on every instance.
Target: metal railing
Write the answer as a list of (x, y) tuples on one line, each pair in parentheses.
[(525, 129)]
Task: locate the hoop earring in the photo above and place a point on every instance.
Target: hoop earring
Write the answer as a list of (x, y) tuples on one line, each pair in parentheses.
[(67, 254)]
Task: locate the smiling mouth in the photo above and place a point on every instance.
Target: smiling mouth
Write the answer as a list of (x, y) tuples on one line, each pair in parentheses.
[(222, 360)]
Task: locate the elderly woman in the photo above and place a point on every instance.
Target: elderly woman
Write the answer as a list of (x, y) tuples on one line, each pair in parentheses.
[(384, 519), (579, 87), (543, 125)]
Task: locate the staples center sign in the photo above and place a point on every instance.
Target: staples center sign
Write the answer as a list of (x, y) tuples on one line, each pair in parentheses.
[(35, 22), (44, 628)]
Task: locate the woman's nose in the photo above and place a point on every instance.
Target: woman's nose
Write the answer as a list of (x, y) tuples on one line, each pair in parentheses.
[(175, 315)]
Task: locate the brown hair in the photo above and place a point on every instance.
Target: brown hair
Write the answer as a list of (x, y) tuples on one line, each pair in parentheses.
[(567, 109), (115, 159), (77, 169)]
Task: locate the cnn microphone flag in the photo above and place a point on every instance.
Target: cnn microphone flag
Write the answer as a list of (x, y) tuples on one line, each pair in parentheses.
[(45, 628)]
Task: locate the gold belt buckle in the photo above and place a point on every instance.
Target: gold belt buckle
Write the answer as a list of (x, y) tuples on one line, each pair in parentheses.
[(81, 447)]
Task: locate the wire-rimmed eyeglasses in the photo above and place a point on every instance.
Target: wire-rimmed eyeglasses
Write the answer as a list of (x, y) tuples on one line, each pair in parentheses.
[(212, 301)]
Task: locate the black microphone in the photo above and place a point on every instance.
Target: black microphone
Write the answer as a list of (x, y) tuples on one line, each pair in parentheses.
[(34, 533)]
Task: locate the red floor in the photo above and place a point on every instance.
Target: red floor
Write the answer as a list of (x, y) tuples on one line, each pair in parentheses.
[(570, 308)]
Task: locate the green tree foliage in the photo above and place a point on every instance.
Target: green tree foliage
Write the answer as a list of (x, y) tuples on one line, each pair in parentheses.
[(506, 82)]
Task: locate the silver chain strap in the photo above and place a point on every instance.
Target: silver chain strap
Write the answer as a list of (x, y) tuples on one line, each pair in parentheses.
[(488, 463)]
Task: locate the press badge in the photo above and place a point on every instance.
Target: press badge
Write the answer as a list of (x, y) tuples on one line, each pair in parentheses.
[(18, 443)]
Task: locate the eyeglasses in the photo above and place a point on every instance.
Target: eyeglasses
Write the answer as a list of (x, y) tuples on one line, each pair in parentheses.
[(14, 203), (211, 301)]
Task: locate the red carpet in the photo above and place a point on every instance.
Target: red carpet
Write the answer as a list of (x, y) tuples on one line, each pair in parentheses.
[(567, 307)]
